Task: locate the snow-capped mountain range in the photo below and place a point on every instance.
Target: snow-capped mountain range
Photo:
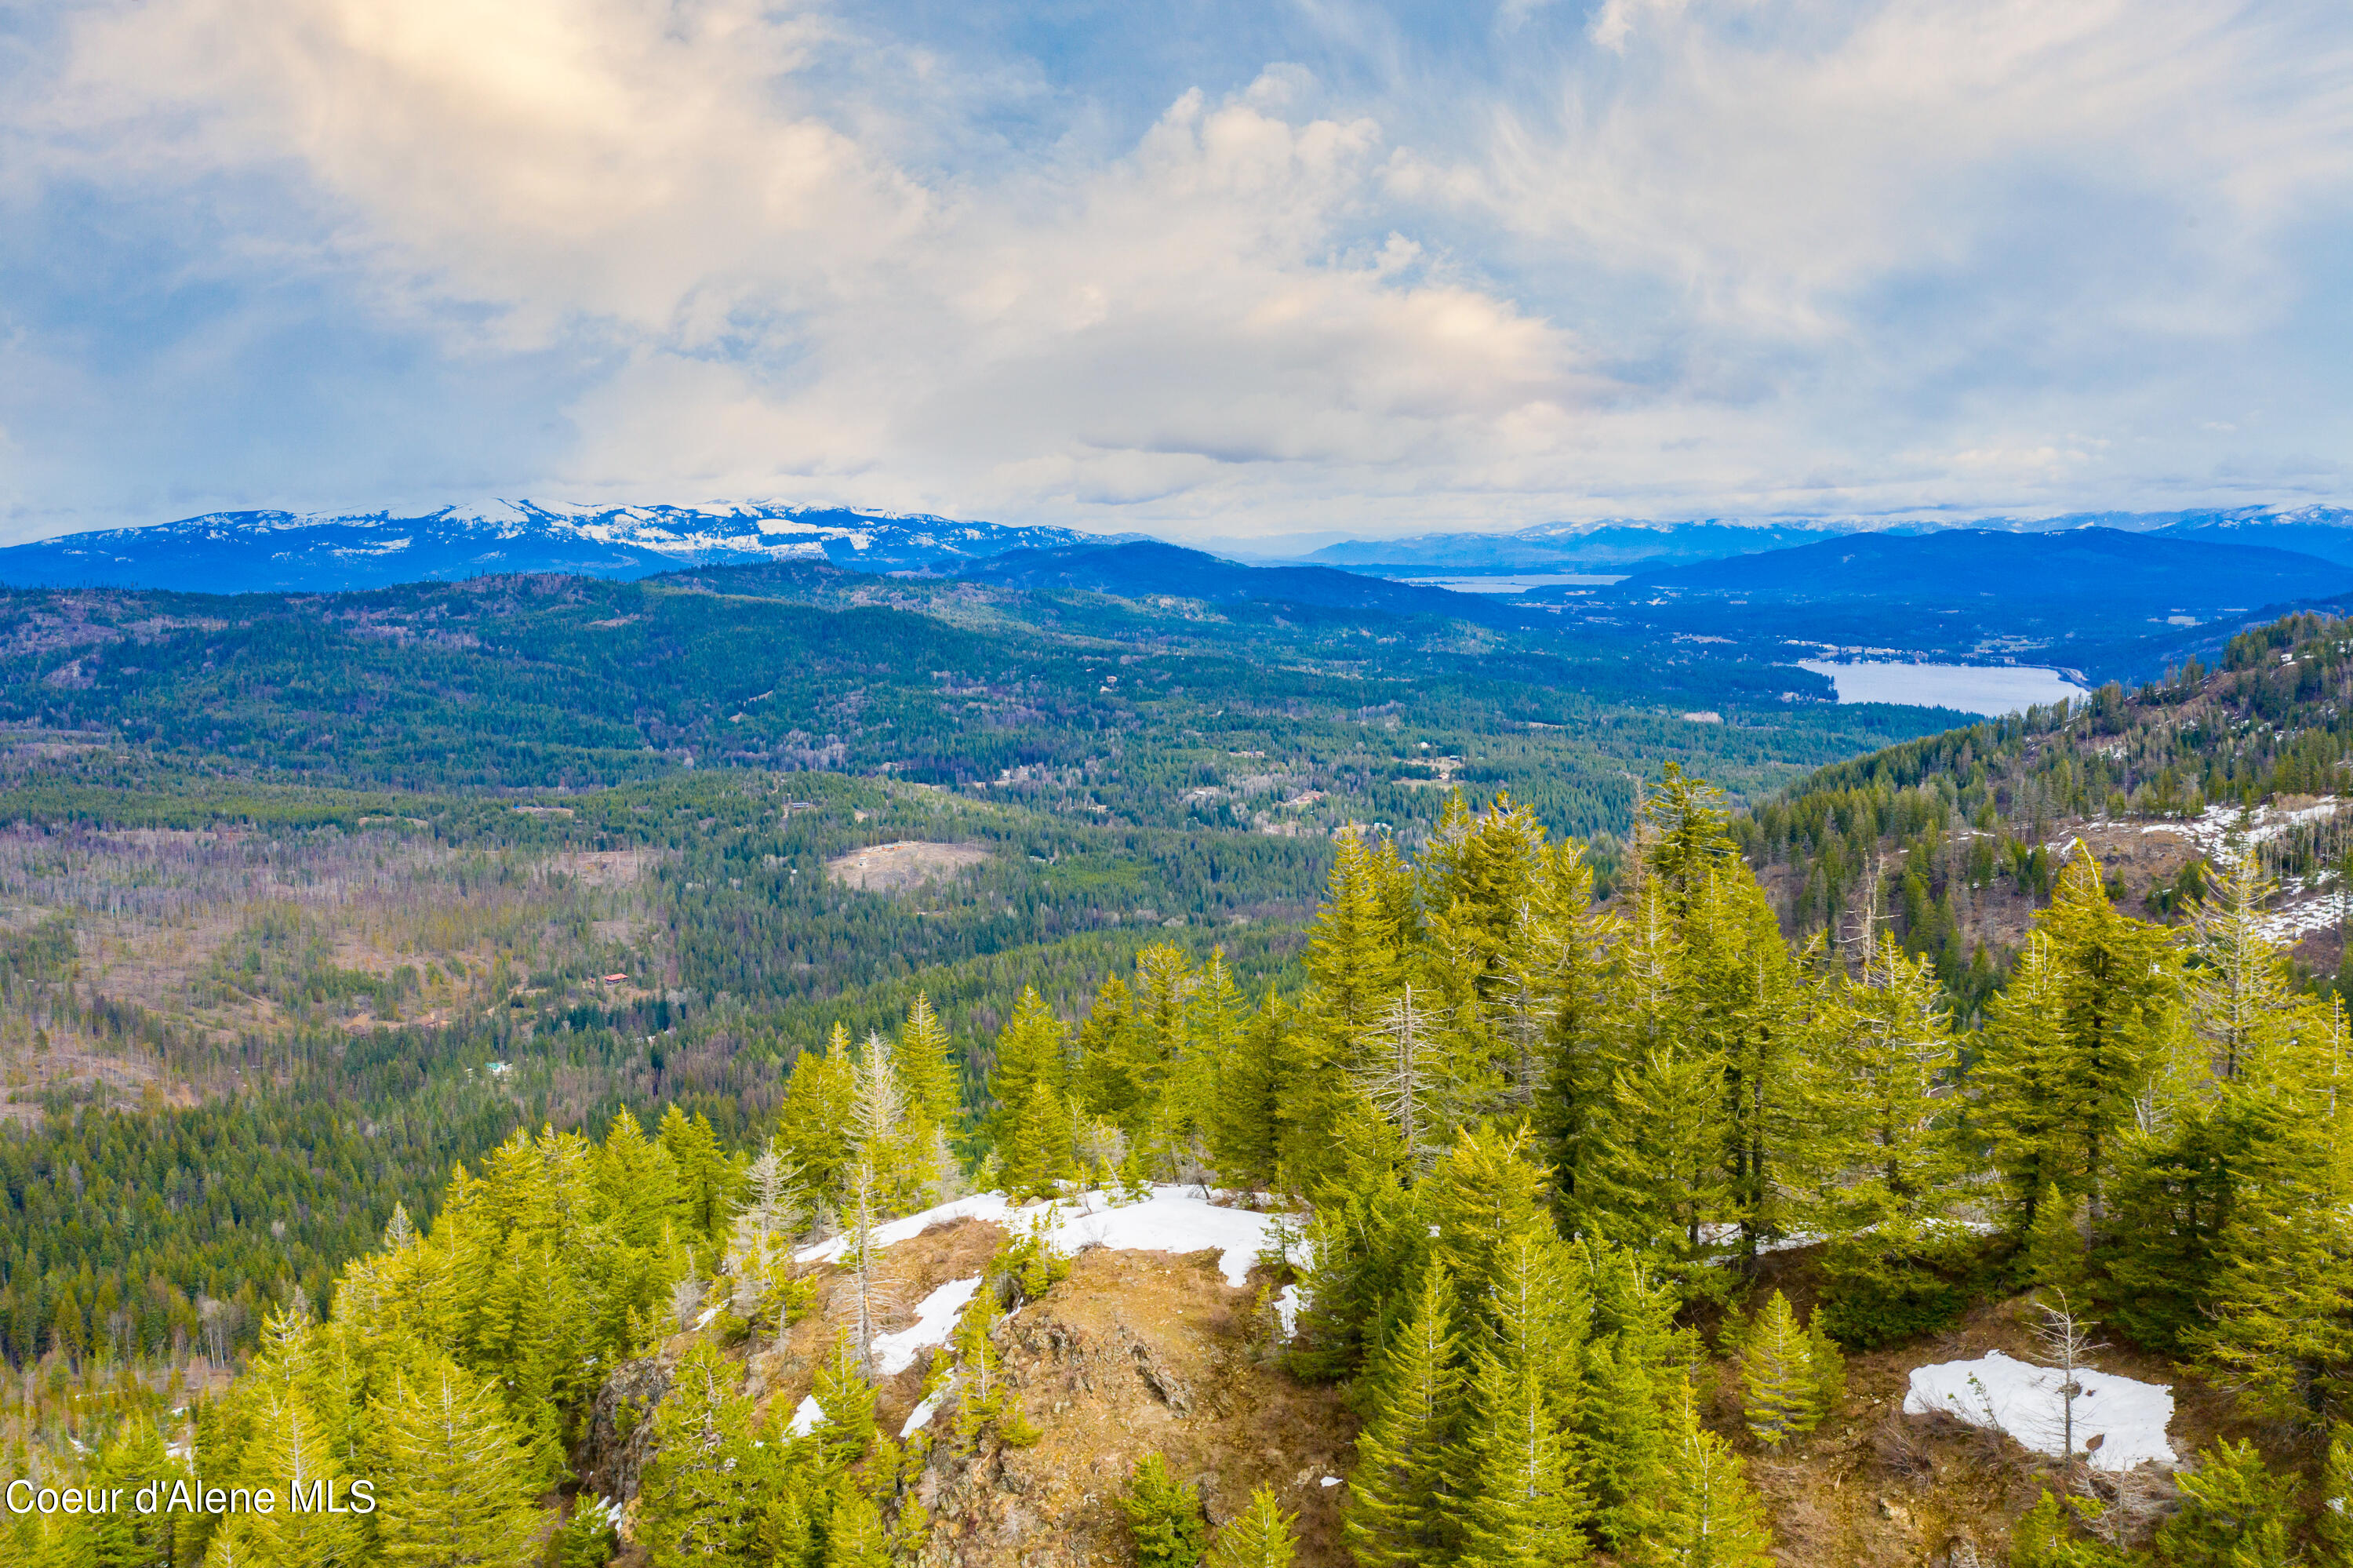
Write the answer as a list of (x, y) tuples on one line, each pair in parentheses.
[(249, 552)]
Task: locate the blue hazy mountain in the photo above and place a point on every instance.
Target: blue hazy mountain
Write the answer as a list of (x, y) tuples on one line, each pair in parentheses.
[(2323, 531), (1614, 547), (1623, 544), (2153, 573), (1144, 569), (249, 552)]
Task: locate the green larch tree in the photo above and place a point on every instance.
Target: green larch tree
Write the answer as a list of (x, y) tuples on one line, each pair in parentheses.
[(454, 1487), (1258, 1537), (1400, 1494), (1780, 1388), (1711, 1516)]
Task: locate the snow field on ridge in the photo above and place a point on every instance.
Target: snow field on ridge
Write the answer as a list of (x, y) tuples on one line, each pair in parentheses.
[(1169, 1219)]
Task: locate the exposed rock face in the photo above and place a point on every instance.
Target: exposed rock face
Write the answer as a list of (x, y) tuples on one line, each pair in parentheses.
[(613, 1452), (1135, 1353)]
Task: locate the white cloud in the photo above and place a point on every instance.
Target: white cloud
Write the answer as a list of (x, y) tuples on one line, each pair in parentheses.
[(1655, 255)]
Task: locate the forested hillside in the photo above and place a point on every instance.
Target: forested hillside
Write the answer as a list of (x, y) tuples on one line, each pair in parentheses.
[(1603, 1208), (1146, 710), (1956, 838), (1225, 923), (360, 866)]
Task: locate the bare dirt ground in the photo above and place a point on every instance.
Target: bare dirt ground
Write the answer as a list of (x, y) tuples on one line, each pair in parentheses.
[(901, 866)]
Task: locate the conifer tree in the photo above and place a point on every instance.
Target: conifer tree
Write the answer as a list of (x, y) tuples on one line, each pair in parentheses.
[(859, 1260), (927, 1067), (1036, 1152), (983, 1400), (1829, 1367), (1711, 1517), (707, 1179), (2076, 1039), (855, 1535), (693, 1507), (1778, 1374), (1110, 1067), (2282, 1307), (844, 1391), (454, 1490), (2239, 997), (1365, 1244), (1400, 1069), (1215, 1021), (895, 1146), (1355, 962), (2332, 1522), (1251, 1108), (1655, 1179), (1519, 1502), (288, 1451), (1165, 1522), (636, 1181), (2234, 1513), (1258, 1537), (816, 1123), (1556, 1011), (1877, 1158), (1399, 1496), (2055, 1245), (1483, 1202), (1635, 1378), (1353, 956), (1030, 1054)]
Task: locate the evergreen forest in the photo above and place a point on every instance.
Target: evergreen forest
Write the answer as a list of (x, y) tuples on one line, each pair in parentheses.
[(498, 1125)]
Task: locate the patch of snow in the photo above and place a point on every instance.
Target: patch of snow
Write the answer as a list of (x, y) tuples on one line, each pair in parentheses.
[(708, 1314), (2126, 1416), (1726, 1233), (2210, 829), (1286, 1308), (1172, 1219), (805, 1416), (936, 1320), (1168, 1219), (921, 1416), (1331, 1480)]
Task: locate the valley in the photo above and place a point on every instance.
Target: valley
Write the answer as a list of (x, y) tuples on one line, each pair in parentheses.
[(1115, 858)]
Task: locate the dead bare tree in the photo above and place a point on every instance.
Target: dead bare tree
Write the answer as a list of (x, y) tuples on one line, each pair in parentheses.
[(2065, 1343)]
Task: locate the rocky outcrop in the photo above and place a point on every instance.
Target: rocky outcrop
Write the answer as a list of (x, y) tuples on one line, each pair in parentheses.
[(612, 1453), (1135, 1353)]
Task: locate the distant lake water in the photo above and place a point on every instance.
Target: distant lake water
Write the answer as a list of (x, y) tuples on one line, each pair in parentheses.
[(1989, 689), (1520, 584)]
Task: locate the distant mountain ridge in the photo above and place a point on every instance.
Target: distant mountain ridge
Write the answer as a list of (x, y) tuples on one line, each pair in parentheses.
[(254, 551), (2163, 570), (1147, 568), (1565, 547), (1620, 544)]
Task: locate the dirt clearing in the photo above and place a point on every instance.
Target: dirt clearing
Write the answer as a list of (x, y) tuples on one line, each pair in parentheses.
[(897, 867)]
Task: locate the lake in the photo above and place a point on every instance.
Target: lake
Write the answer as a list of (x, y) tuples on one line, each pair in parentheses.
[(1990, 689), (1518, 584)]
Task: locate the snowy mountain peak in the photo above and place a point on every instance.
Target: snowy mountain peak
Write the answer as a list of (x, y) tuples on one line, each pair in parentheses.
[(244, 552)]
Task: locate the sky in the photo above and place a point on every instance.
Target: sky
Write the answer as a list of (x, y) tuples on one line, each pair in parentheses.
[(1197, 268)]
